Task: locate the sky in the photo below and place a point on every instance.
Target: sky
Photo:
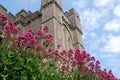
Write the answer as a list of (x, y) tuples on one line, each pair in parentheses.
[(100, 21)]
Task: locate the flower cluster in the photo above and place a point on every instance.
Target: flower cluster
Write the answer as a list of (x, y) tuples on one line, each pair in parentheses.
[(3, 19), (38, 41), (10, 29), (7, 27), (74, 64), (84, 63)]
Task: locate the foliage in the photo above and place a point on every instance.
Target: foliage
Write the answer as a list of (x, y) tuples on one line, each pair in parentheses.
[(31, 57)]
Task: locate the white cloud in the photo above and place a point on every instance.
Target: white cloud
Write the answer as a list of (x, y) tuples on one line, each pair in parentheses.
[(96, 19), (101, 2), (93, 34), (80, 3), (113, 25), (105, 4), (90, 18), (117, 10), (112, 45)]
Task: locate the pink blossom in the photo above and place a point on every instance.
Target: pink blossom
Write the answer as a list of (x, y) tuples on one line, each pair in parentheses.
[(7, 28), (11, 24), (64, 60), (70, 52), (39, 47), (58, 46), (56, 52), (16, 30), (30, 30), (49, 36), (64, 52), (77, 55), (40, 33), (46, 29), (50, 50), (64, 68), (97, 62), (48, 42), (33, 40), (73, 63), (3, 17), (93, 58)]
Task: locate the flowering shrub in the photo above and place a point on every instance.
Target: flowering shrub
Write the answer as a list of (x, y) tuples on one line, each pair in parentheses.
[(30, 57)]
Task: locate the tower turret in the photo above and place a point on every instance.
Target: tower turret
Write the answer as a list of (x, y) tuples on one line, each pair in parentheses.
[(75, 25), (44, 3)]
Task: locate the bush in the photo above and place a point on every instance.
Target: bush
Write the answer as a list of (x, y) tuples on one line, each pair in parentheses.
[(30, 57)]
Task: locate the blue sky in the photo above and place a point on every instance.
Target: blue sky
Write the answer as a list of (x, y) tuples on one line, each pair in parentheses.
[(100, 21)]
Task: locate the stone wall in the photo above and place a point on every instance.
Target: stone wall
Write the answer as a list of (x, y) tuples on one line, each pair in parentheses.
[(65, 26)]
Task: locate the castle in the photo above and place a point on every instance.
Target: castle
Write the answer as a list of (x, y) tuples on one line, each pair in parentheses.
[(65, 26)]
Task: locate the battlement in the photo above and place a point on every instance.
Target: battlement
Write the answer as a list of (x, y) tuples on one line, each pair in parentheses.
[(70, 12), (64, 25), (46, 4), (73, 18), (26, 18), (22, 12)]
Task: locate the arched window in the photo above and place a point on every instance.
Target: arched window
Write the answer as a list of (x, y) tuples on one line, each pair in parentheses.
[(66, 37)]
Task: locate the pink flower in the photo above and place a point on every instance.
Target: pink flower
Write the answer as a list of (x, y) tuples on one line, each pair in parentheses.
[(40, 33), (93, 58), (77, 55), (49, 36), (46, 29), (15, 30), (77, 51), (33, 41), (97, 62), (64, 68), (7, 28), (58, 46), (56, 52), (64, 60), (3, 17), (48, 42), (30, 30), (49, 50), (70, 52), (74, 63), (11, 24), (64, 52), (39, 47)]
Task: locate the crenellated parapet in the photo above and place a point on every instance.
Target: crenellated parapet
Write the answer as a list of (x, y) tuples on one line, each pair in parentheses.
[(74, 19), (26, 18), (70, 12), (65, 26), (75, 26), (47, 3)]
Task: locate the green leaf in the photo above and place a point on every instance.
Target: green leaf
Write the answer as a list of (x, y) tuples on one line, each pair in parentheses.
[(1, 32), (5, 68)]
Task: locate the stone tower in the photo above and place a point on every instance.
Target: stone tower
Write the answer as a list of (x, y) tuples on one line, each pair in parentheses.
[(65, 26)]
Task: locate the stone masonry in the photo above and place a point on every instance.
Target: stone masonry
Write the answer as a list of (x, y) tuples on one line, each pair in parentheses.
[(65, 26)]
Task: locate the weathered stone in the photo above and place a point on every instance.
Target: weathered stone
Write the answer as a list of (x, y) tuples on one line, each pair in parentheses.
[(65, 26)]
